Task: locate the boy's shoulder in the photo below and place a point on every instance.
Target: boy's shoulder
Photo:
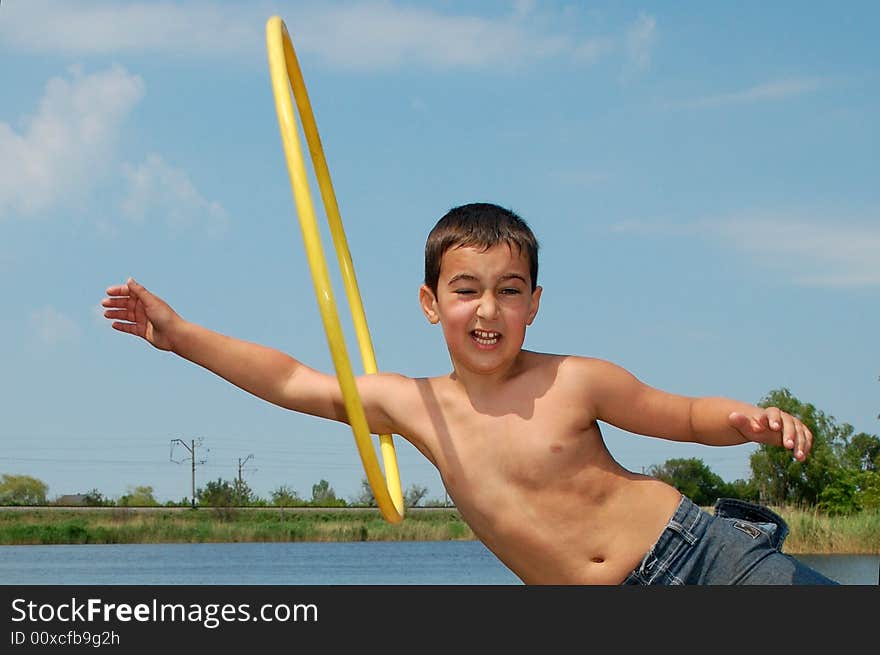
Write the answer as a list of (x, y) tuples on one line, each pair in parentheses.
[(564, 363), (553, 368), (579, 376)]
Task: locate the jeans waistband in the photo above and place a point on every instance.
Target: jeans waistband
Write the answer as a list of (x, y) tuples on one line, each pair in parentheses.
[(685, 528), (685, 524), (769, 521)]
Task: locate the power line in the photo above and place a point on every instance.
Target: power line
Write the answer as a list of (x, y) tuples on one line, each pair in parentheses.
[(241, 463), (193, 444)]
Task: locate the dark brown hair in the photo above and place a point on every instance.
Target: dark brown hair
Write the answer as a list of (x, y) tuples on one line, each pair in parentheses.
[(478, 225)]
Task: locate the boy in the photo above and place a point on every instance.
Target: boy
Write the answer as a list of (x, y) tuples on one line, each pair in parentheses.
[(514, 433)]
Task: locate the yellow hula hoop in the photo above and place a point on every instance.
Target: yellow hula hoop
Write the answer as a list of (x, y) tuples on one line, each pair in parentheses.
[(286, 75)]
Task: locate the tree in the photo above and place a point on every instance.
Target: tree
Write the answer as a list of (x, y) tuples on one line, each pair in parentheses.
[(841, 495), (742, 489), (862, 452), (411, 497), (841, 475), (242, 493), (692, 478), (869, 490), (414, 495), (284, 496), (22, 490), (95, 498), (138, 497), (365, 498), (324, 496), (780, 478), (217, 493)]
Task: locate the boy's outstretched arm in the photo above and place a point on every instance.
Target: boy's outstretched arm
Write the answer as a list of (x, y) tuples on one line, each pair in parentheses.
[(622, 400), (264, 372), (745, 422)]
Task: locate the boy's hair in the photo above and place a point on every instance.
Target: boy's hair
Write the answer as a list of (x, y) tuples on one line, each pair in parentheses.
[(478, 225)]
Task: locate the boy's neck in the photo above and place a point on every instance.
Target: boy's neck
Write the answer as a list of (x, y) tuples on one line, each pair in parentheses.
[(483, 385)]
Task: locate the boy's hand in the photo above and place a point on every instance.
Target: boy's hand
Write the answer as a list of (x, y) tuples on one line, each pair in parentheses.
[(774, 427), (135, 310)]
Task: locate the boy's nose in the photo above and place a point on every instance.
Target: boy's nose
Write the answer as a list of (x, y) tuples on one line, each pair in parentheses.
[(488, 307)]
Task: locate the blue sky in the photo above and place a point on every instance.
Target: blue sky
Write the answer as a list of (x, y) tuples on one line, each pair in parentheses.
[(703, 179)]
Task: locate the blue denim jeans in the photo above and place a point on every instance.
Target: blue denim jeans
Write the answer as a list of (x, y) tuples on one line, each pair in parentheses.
[(740, 544)]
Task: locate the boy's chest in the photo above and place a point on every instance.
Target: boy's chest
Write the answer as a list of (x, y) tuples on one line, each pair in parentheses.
[(525, 448)]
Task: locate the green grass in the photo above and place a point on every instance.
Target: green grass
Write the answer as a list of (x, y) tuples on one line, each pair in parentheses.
[(207, 525), (816, 533), (811, 531)]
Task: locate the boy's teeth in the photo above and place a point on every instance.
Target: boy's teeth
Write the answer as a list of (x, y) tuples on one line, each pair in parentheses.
[(486, 338)]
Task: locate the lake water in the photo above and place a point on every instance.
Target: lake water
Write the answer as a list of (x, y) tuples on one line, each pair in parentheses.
[(302, 563)]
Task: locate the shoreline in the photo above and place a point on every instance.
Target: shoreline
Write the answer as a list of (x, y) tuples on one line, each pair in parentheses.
[(810, 531)]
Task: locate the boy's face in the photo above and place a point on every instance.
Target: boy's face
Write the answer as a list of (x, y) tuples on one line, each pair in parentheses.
[(484, 303)]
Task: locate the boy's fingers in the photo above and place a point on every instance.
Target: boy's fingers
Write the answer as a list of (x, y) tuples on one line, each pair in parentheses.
[(139, 290), (744, 423), (118, 314), (776, 419), (115, 302), (130, 328), (794, 435), (789, 433), (117, 290), (800, 443), (808, 441), (804, 442)]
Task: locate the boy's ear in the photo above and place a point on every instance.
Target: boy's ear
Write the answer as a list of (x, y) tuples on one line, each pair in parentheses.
[(428, 301), (536, 302)]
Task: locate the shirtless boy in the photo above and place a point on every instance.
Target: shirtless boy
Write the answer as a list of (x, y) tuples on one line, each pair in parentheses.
[(514, 434)]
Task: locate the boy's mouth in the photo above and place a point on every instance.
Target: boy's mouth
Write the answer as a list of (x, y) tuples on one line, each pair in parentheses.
[(485, 338)]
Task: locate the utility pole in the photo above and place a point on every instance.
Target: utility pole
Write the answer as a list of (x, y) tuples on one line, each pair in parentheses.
[(191, 447), (241, 463)]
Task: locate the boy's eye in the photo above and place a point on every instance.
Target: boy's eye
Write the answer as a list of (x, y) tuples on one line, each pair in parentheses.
[(464, 292), (510, 291)]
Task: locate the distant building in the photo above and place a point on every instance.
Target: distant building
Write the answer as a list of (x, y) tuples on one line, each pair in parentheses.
[(71, 500)]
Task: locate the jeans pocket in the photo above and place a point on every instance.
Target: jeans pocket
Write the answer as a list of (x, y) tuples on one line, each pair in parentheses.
[(749, 517)]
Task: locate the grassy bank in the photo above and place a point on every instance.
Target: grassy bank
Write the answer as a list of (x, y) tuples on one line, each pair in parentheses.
[(125, 526), (811, 532), (816, 533)]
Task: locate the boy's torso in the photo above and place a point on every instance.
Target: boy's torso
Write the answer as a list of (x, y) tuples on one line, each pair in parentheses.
[(529, 471)]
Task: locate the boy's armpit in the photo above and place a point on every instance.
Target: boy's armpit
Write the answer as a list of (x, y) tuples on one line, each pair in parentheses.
[(388, 399)]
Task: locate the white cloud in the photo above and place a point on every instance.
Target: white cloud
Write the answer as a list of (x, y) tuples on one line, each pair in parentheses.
[(68, 143), (381, 35), (591, 50), (639, 41), (68, 146), (155, 188), (51, 327), (773, 90), (832, 251), (91, 27), (361, 35)]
